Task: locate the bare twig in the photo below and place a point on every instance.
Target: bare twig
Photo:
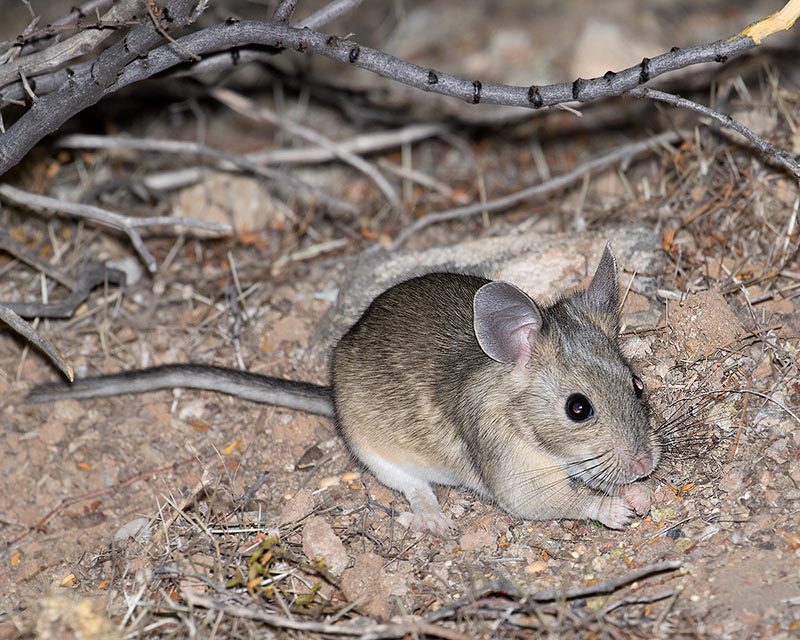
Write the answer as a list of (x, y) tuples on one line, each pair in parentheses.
[(362, 144), (22, 253), (76, 13), (284, 11), (510, 591), (778, 21), (258, 113), (227, 161), (78, 93), (72, 20), (29, 333), (252, 490), (361, 630), (14, 52), (80, 44), (764, 148), (769, 398), (234, 295), (134, 59), (155, 17), (92, 276), (638, 599), (419, 177), (554, 184), (607, 586), (126, 224), (328, 14), (473, 91)]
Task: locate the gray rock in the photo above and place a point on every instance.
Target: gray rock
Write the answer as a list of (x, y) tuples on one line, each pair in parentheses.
[(541, 265)]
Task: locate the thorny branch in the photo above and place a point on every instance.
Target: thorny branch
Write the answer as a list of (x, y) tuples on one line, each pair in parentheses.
[(136, 58), (54, 56)]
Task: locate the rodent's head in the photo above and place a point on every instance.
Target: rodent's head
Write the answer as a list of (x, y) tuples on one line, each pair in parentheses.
[(568, 382)]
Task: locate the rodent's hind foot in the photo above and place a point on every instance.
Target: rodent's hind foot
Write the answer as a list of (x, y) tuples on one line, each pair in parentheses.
[(435, 523), (426, 514)]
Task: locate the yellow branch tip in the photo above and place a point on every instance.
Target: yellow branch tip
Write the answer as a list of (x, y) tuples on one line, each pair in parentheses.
[(779, 21)]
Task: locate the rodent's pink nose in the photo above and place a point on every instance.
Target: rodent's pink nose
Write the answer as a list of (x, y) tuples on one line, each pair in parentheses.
[(642, 465)]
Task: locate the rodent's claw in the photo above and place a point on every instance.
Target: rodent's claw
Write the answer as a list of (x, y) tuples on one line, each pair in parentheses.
[(614, 512), (435, 523), (637, 495)]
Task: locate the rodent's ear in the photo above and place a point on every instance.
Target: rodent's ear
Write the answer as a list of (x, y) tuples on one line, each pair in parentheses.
[(602, 294), (506, 321)]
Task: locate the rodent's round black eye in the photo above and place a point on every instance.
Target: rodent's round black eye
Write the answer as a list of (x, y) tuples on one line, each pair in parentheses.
[(579, 408), (638, 386)]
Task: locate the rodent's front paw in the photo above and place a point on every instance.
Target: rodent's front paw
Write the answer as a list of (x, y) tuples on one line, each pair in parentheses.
[(637, 495), (436, 523), (614, 512)]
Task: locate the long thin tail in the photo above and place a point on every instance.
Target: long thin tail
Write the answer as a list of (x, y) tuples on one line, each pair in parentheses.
[(304, 396)]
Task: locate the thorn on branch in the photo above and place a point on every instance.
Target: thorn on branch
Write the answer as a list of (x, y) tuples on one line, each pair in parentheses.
[(535, 97), (476, 91), (644, 73), (577, 86)]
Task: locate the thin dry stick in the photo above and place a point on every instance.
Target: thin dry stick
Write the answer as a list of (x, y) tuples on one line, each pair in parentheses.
[(779, 21), (249, 109), (601, 588), (80, 44), (361, 144), (777, 403), (739, 429), (225, 160), (554, 184), (361, 629), (284, 11), (23, 254), (328, 14), (767, 149), (93, 275), (607, 586), (625, 602), (155, 17), (760, 394), (422, 179), (33, 40), (126, 224), (29, 333)]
